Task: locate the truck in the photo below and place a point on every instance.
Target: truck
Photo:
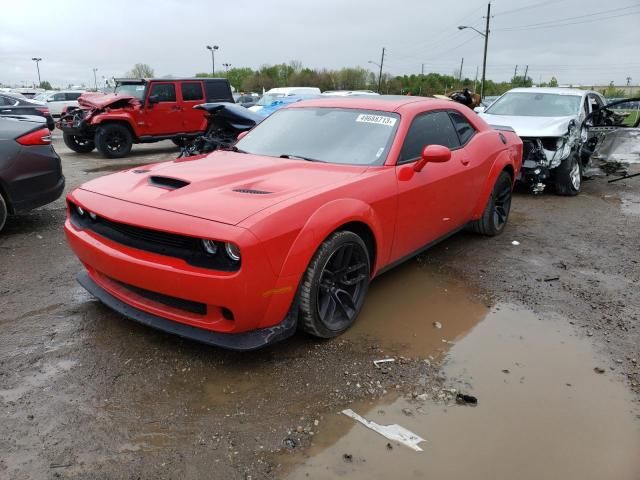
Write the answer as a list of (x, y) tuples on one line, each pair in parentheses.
[(141, 111)]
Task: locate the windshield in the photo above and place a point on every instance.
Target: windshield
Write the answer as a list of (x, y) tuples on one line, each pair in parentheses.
[(533, 104), (42, 97), (332, 135), (136, 90), (269, 98)]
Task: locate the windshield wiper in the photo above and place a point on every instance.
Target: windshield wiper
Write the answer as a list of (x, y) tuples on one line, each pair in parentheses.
[(298, 157), (237, 150)]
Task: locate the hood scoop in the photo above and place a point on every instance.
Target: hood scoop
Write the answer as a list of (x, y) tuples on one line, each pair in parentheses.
[(167, 182), (251, 191)]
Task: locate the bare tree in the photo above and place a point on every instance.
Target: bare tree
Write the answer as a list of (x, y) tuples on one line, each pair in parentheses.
[(140, 70)]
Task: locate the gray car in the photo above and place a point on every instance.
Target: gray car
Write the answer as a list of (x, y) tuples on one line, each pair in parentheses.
[(549, 121), (30, 169)]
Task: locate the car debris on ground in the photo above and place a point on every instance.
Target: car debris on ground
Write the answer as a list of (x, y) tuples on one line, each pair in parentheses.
[(392, 432)]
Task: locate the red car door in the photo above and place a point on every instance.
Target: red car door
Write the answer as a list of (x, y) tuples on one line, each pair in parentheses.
[(163, 113), (192, 94), (434, 201)]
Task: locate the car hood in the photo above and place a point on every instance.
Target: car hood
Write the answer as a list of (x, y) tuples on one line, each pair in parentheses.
[(224, 187), (101, 100), (532, 126)]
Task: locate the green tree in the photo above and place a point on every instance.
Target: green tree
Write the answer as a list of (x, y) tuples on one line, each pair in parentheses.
[(140, 70), (46, 85), (553, 82)]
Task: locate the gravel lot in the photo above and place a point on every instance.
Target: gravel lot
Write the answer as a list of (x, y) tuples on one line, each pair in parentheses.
[(85, 393)]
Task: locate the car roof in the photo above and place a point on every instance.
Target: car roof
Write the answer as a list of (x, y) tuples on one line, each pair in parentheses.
[(385, 103), (552, 90)]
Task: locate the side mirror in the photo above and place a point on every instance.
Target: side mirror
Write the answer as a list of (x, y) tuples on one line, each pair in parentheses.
[(241, 135), (432, 154), (153, 99)]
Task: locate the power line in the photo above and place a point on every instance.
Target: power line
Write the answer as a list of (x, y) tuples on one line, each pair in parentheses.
[(559, 21), (527, 7)]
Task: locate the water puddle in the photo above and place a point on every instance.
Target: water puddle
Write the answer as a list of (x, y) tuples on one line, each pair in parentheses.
[(41, 379), (416, 311), (543, 412)]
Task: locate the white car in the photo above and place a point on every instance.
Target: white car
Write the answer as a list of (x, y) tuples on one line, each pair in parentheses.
[(275, 93), (58, 100), (550, 123)]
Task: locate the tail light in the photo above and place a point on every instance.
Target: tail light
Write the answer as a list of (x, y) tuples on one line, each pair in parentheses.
[(43, 110), (38, 137)]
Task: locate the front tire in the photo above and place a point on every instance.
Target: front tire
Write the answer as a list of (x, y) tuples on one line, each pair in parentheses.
[(335, 285), (113, 140), (568, 176), (4, 212), (78, 144), (496, 212)]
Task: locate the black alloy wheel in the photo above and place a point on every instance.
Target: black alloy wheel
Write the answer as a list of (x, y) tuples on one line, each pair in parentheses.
[(78, 144), (114, 140), (502, 204), (335, 285), (496, 212)]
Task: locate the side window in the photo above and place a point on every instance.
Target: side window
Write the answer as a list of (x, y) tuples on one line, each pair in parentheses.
[(72, 95), (7, 101), (166, 92), (58, 97), (428, 129), (191, 91), (217, 91), (463, 127)]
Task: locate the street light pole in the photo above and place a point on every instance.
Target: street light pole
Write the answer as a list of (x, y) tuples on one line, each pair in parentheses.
[(95, 79), (486, 45), (38, 60), (380, 66), (213, 60)]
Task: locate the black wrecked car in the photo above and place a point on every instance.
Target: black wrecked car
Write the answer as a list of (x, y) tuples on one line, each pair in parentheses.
[(11, 105), (30, 169)]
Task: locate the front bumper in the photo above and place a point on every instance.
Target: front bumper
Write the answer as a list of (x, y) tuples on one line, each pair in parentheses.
[(241, 341), (253, 298)]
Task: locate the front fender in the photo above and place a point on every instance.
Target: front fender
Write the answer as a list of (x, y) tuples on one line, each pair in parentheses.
[(504, 160), (122, 117), (327, 219)]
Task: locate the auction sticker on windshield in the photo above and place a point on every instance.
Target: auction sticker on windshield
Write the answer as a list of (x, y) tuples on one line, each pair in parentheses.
[(379, 119)]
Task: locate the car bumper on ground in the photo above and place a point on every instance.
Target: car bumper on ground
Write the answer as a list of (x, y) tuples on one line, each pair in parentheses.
[(242, 309)]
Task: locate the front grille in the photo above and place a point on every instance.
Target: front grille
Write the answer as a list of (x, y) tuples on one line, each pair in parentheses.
[(174, 302), (189, 249)]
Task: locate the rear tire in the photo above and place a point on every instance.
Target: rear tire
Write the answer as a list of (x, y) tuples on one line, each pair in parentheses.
[(496, 212), (78, 144), (4, 212), (568, 176), (114, 140), (335, 285)]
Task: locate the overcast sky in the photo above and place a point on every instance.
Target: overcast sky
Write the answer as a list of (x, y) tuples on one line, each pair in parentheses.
[(73, 37)]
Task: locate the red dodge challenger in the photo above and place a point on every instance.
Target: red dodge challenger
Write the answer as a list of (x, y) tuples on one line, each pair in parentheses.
[(239, 248)]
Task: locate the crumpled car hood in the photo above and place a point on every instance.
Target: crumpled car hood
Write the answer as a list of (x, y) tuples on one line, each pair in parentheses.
[(101, 100), (532, 126), (223, 186)]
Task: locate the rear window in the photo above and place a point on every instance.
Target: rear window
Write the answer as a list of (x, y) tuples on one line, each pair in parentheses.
[(191, 91), (463, 127), (218, 91), (73, 95)]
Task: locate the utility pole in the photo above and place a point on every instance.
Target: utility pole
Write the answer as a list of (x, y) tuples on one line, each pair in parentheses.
[(421, 80), (486, 44), (460, 72), (476, 80), (515, 74), (380, 74), (628, 81), (95, 79), (526, 70), (38, 60)]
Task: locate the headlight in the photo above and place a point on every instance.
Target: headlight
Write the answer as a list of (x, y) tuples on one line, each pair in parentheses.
[(80, 210), (210, 246), (233, 251)]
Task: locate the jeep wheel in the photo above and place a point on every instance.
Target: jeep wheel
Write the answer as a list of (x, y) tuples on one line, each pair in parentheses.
[(496, 212), (568, 176), (335, 285), (78, 144), (4, 212), (114, 140)]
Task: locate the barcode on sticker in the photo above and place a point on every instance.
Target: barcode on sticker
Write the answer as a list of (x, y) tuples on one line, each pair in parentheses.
[(379, 119)]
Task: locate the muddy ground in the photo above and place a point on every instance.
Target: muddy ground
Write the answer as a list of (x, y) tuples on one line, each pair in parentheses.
[(85, 393)]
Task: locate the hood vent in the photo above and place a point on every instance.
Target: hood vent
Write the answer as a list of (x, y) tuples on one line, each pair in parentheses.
[(251, 191), (167, 182)]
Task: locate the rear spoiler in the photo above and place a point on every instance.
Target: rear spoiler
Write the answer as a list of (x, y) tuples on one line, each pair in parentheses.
[(503, 128)]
